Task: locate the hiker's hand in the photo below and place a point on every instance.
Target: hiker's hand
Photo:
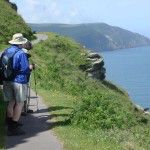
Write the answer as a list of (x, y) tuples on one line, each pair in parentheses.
[(32, 67)]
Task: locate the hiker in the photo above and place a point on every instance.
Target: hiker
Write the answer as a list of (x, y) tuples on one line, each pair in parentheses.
[(15, 89), (26, 48)]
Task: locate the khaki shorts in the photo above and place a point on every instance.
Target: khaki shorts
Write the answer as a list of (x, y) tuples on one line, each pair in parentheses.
[(14, 91)]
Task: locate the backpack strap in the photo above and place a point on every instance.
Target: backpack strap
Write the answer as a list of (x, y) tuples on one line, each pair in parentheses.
[(15, 53)]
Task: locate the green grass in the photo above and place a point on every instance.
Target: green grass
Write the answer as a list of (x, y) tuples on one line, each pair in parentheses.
[(61, 105), (2, 47), (11, 23), (86, 113)]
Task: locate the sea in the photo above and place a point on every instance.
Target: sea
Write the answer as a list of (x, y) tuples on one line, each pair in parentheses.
[(130, 70)]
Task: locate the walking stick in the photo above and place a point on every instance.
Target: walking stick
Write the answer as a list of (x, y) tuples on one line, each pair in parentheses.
[(27, 101), (35, 84)]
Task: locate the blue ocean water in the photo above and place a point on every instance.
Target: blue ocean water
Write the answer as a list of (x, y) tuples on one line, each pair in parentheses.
[(130, 69)]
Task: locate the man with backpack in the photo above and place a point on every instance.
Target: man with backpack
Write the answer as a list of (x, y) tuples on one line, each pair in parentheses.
[(15, 69)]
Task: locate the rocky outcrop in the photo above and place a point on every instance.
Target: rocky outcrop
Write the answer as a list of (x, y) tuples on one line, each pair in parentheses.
[(95, 68)]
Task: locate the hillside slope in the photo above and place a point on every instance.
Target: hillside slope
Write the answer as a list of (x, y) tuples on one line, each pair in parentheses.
[(90, 105), (96, 36), (11, 22), (60, 59)]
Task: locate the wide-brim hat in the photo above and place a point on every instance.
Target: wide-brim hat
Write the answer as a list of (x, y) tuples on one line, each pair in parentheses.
[(18, 39)]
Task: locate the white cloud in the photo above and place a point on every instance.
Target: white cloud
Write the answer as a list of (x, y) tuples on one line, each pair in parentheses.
[(37, 11)]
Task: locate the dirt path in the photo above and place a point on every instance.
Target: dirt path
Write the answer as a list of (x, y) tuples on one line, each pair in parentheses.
[(40, 37), (37, 127)]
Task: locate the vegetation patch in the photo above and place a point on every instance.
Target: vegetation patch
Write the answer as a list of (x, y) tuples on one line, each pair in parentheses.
[(73, 137), (81, 106), (11, 23)]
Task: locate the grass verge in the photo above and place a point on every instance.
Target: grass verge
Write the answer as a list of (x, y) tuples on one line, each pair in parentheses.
[(60, 106)]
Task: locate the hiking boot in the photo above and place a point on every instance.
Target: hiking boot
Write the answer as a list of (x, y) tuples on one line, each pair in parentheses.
[(23, 114), (8, 121), (15, 131)]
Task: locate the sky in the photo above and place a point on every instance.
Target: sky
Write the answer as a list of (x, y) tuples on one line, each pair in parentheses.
[(133, 15)]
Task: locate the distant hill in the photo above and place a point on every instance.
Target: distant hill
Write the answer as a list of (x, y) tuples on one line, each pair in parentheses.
[(96, 36), (11, 22)]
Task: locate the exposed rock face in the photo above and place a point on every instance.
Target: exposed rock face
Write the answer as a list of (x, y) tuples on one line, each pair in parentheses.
[(95, 69)]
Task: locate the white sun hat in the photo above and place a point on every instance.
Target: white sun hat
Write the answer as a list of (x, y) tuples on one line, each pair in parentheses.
[(18, 39)]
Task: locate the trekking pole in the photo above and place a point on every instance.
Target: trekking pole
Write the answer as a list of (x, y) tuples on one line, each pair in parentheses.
[(27, 101), (29, 95), (35, 84)]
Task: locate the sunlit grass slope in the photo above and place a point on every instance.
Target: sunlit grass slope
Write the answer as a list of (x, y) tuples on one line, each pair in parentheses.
[(10, 23), (84, 106)]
